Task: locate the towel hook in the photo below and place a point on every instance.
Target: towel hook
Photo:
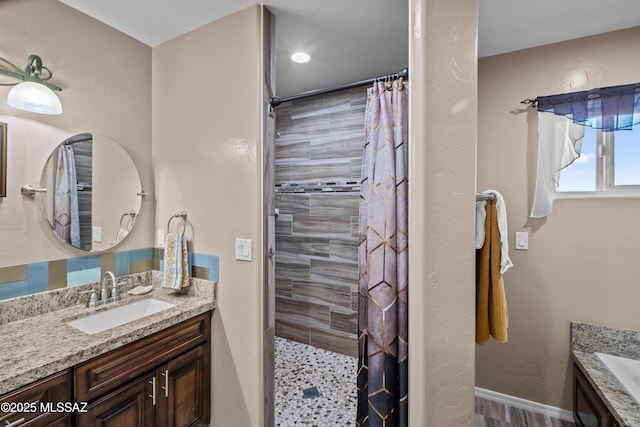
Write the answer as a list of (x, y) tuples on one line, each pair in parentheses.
[(182, 215)]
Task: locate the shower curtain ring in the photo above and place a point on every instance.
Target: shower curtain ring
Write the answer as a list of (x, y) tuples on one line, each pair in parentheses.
[(388, 84)]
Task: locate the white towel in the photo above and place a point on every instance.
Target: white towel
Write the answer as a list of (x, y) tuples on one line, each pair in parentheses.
[(559, 145), (176, 262), (501, 211), (481, 215)]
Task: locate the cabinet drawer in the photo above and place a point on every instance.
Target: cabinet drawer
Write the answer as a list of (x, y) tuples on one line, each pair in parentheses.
[(42, 394), (111, 370)]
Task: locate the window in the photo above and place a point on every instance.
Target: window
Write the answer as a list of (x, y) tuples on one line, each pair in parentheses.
[(609, 163)]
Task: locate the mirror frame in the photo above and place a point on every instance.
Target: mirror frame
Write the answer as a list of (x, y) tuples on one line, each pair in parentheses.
[(3, 160)]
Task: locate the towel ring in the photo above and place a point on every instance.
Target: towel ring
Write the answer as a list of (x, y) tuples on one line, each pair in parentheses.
[(181, 215), (132, 216)]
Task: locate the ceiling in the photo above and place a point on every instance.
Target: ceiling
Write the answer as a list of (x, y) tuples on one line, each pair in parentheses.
[(352, 40)]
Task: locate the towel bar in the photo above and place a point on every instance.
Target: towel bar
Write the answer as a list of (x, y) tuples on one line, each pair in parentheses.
[(482, 197)]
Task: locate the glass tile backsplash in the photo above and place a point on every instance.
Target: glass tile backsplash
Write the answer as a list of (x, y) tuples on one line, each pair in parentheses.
[(36, 277)]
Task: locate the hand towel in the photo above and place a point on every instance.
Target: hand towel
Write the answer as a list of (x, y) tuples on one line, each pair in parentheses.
[(491, 304), (176, 262)]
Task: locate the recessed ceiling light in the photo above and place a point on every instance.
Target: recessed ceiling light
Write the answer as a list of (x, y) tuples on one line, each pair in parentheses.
[(300, 57)]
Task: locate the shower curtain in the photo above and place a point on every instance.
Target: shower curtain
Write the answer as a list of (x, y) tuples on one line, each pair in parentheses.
[(65, 209), (383, 260)]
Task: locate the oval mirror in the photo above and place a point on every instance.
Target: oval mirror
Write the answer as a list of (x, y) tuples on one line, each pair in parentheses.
[(93, 192)]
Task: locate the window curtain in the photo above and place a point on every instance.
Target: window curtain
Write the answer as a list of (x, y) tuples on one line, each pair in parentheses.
[(561, 121), (559, 145), (609, 108), (383, 260), (65, 209)]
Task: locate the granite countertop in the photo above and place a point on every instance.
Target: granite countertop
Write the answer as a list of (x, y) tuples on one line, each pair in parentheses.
[(38, 345), (586, 340)]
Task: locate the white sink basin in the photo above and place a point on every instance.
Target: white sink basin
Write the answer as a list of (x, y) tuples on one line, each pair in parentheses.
[(627, 371), (101, 321)]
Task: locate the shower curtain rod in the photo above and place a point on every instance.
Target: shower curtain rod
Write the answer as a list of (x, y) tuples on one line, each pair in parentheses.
[(276, 100)]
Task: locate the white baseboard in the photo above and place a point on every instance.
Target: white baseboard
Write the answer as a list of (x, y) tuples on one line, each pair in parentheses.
[(528, 405)]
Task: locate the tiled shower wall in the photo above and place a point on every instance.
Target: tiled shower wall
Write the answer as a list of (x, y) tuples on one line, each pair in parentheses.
[(319, 140)]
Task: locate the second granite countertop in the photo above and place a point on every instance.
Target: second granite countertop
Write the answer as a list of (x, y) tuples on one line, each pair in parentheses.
[(586, 340)]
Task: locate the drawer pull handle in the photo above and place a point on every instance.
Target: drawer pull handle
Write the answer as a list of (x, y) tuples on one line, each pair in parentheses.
[(166, 383), (15, 423), (153, 395)]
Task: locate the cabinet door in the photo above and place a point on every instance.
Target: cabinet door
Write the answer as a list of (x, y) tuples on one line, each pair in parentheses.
[(128, 406), (589, 411), (42, 396), (66, 421), (185, 389)]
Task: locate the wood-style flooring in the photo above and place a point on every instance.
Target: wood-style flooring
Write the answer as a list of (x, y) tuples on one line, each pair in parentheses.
[(490, 413)]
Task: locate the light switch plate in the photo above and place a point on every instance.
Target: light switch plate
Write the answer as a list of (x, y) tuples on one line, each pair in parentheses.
[(96, 234), (244, 250), (160, 238), (522, 240)]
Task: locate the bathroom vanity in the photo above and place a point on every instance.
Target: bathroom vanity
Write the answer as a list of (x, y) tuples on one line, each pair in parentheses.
[(588, 407), (599, 397), (159, 380), (154, 371)]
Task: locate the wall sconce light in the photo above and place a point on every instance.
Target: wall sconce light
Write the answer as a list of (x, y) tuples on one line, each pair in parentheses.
[(33, 94)]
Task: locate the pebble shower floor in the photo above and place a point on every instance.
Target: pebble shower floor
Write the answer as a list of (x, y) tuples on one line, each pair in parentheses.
[(299, 369)]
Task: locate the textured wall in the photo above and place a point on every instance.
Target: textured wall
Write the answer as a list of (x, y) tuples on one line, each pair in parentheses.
[(92, 63), (582, 259), (207, 161), (442, 142), (319, 139)]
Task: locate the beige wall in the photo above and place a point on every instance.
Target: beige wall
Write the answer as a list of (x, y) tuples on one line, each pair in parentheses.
[(582, 259), (106, 89), (207, 161), (442, 144), (207, 155)]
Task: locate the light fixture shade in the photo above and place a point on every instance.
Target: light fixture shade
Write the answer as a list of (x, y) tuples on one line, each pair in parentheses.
[(34, 97)]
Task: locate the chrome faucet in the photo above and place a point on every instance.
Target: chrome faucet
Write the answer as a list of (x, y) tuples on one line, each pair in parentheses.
[(94, 301), (104, 291)]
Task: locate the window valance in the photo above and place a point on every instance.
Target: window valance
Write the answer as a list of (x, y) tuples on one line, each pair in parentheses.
[(609, 108)]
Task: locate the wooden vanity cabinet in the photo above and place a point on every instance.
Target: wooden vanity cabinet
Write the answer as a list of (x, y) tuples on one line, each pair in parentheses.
[(161, 380), (588, 409), (129, 405), (42, 397), (183, 399)]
